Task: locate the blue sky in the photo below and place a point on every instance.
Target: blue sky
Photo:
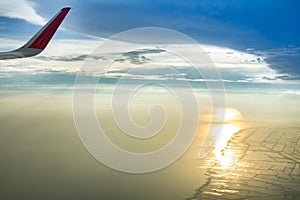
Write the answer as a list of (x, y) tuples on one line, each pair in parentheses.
[(258, 27), (240, 24)]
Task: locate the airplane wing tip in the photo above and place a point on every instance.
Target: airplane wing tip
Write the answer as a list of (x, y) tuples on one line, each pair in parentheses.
[(66, 9), (40, 40)]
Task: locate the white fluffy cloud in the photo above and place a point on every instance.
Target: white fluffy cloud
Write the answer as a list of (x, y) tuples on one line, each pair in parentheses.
[(20, 9)]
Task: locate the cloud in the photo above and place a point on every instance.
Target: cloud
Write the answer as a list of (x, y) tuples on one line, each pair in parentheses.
[(284, 60), (156, 63), (21, 9), (139, 56), (8, 44)]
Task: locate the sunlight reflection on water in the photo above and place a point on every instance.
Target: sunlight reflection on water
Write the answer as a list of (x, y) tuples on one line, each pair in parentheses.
[(226, 157), (223, 130), (223, 158)]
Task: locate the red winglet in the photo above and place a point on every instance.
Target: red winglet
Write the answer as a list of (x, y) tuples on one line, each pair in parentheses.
[(43, 38)]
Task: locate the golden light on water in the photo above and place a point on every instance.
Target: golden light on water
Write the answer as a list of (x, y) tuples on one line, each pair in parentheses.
[(227, 115), (227, 130), (224, 156)]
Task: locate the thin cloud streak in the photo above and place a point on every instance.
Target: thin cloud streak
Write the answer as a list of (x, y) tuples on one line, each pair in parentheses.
[(21, 9)]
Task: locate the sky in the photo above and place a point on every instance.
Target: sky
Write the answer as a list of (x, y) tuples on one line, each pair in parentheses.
[(254, 44), (248, 41)]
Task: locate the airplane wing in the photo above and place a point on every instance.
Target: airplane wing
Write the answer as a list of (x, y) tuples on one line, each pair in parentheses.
[(39, 41)]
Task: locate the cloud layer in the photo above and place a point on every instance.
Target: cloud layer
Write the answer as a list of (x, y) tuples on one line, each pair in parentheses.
[(67, 57)]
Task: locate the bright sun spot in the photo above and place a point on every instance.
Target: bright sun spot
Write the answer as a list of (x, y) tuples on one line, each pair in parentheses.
[(227, 130), (227, 115), (224, 132)]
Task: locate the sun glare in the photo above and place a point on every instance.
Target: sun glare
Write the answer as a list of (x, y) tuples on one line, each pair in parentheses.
[(225, 131), (227, 115)]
